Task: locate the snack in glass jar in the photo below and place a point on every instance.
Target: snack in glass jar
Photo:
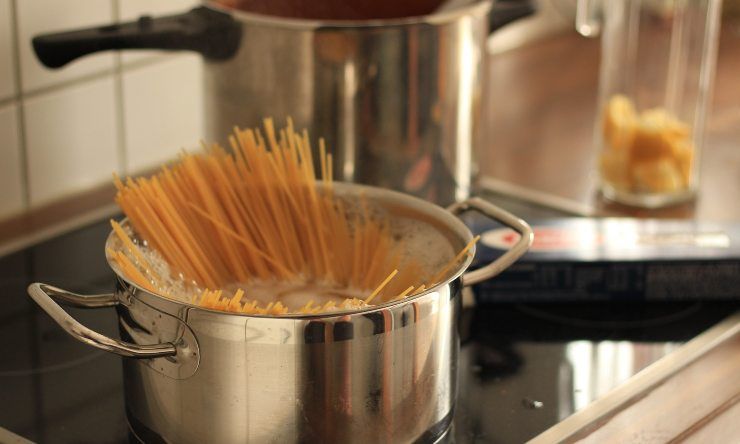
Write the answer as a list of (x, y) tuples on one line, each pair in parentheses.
[(644, 153)]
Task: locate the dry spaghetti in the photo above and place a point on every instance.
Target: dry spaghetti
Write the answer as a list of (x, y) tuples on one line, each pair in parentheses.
[(224, 220)]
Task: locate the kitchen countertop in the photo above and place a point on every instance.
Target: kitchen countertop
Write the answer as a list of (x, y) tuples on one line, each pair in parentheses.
[(540, 114), (691, 395)]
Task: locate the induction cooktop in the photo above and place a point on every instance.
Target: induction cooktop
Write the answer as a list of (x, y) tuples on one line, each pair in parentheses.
[(523, 367)]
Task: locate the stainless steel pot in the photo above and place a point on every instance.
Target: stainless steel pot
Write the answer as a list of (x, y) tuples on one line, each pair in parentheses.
[(397, 100), (384, 374)]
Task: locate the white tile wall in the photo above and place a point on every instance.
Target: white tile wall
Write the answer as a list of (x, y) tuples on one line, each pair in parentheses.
[(11, 184), (162, 111), (65, 131), (7, 83), (41, 16), (132, 9), (71, 139)]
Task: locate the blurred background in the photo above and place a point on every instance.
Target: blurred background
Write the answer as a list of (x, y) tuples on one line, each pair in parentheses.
[(64, 132)]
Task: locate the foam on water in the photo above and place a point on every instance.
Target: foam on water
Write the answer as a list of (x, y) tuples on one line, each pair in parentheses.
[(423, 243), (295, 295)]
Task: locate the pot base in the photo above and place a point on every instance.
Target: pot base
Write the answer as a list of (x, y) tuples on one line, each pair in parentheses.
[(439, 433)]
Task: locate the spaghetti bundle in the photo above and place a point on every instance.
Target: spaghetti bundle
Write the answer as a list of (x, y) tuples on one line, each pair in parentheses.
[(223, 220)]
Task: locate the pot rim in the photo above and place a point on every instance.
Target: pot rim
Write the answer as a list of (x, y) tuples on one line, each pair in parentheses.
[(433, 211), (439, 18)]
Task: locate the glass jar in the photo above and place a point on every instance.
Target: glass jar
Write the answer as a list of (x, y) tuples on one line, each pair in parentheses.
[(657, 68)]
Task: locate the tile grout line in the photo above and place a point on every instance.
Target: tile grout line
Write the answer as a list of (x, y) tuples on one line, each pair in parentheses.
[(20, 97), (120, 105), (130, 66), (21, 111)]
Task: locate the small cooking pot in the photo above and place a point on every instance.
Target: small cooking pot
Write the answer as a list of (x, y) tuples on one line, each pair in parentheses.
[(397, 99), (387, 373)]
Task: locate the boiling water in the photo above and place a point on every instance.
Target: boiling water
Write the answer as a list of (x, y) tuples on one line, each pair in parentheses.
[(422, 243)]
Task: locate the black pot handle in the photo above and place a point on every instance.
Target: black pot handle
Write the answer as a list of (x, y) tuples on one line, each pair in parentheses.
[(504, 12), (214, 34)]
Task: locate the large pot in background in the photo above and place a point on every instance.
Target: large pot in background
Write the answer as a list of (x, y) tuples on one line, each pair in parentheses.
[(384, 374), (397, 99)]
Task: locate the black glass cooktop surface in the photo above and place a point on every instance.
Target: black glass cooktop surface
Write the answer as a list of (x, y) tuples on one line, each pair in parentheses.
[(523, 368)]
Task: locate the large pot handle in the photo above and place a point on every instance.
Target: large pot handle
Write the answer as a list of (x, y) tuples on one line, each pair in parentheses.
[(506, 218), (216, 35), (43, 294)]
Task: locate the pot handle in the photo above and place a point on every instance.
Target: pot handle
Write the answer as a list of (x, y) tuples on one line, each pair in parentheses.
[(506, 218), (43, 294), (214, 34)]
